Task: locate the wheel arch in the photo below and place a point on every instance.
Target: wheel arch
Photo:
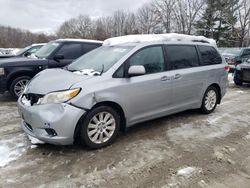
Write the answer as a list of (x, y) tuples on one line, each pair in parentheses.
[(111, 104), (15, 75)]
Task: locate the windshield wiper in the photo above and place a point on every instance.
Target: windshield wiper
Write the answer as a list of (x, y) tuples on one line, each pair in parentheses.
[(102, 69)]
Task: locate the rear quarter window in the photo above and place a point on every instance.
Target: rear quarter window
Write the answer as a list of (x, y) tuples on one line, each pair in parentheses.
[(209, 55)]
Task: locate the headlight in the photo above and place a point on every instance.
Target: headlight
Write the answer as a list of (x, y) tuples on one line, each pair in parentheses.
[(2, 71), (59, 97)]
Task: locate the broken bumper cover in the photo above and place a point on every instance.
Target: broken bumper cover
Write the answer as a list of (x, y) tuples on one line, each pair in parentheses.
[(51, 123)]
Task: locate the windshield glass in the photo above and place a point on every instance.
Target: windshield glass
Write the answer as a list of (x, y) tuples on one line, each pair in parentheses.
[(46, 50), (23, 50), (100, 59)]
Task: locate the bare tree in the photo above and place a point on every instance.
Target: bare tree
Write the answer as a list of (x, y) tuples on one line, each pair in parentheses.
[(119, 21), (186, 13), (243, 15), (147, 19), (18, 38), (80, 27), (164, 10), (103, 28)]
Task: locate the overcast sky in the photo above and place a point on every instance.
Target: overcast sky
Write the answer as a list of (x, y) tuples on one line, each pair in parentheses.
[(47, 15)]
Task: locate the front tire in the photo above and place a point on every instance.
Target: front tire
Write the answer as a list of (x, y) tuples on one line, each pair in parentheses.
[(17, 86), (210, 100), (100, 127)]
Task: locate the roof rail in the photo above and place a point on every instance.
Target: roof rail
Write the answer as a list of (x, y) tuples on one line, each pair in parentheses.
[(169, 37)]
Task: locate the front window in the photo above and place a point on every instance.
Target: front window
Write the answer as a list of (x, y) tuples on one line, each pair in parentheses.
[(100, 59), (23, 50), (46, 50), (151, 58)]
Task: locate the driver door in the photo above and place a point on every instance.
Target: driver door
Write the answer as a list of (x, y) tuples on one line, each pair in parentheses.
[(147, 96)]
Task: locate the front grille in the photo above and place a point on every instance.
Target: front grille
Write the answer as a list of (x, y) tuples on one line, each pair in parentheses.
[(33, 98), (246, 74)]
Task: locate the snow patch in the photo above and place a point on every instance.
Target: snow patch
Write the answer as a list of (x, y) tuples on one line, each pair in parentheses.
[(186, 171), (25, 101), (35, 140), (230, 78), (240, 91), (33, 146), (215, 126), (88, 72), (183, 176), (11, 149), (169, 37), (248, 136)]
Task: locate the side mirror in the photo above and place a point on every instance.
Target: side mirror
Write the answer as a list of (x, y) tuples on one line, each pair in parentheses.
[(26, 54), (58, 57), (136, 70)]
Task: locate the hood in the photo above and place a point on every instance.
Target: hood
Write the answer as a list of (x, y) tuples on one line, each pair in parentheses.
[(20, 61), (51, 80), (245, 65)]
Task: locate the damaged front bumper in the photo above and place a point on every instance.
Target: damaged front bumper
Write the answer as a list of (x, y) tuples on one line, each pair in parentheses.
[(51, 123)]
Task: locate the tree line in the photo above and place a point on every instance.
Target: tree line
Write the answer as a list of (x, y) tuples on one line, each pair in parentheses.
[(18, 38), (227, 21)]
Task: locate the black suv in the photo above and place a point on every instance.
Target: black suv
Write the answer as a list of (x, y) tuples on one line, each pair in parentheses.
[(16, 72), (25, 52), (242, 73)]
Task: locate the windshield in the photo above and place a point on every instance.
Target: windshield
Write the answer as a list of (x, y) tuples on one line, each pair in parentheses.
[(46, 50), (100, 59), (23, 50)]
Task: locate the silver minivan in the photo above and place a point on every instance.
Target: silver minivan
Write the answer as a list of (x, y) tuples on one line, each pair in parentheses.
[(130, 79)]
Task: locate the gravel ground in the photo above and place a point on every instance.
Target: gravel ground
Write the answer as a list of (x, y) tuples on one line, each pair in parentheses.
[(183, 150)]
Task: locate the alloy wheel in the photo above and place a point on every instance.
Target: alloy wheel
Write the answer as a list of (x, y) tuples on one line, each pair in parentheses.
[(101, 127), (20, 86), (210, 100)]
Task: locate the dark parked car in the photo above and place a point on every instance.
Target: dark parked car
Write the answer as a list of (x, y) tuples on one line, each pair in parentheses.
[(242, 73), (25, 52), (235, 56), (15, 73)]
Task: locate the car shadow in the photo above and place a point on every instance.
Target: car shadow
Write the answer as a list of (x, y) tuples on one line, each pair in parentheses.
[(6, 97)]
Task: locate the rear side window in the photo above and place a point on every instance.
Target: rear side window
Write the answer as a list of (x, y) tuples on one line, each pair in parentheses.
[(209, 55), (88, 47), (180, 57), (70, 50)]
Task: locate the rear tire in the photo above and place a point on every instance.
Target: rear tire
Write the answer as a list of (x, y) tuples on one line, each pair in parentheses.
[(237, 81), (100, 127), (17, 86), (210, 100)]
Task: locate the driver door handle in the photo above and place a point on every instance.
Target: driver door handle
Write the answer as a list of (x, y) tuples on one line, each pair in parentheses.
[(165, 78), (177, 76)]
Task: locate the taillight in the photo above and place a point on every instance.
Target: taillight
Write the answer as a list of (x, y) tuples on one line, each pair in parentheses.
[(227, 68)]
